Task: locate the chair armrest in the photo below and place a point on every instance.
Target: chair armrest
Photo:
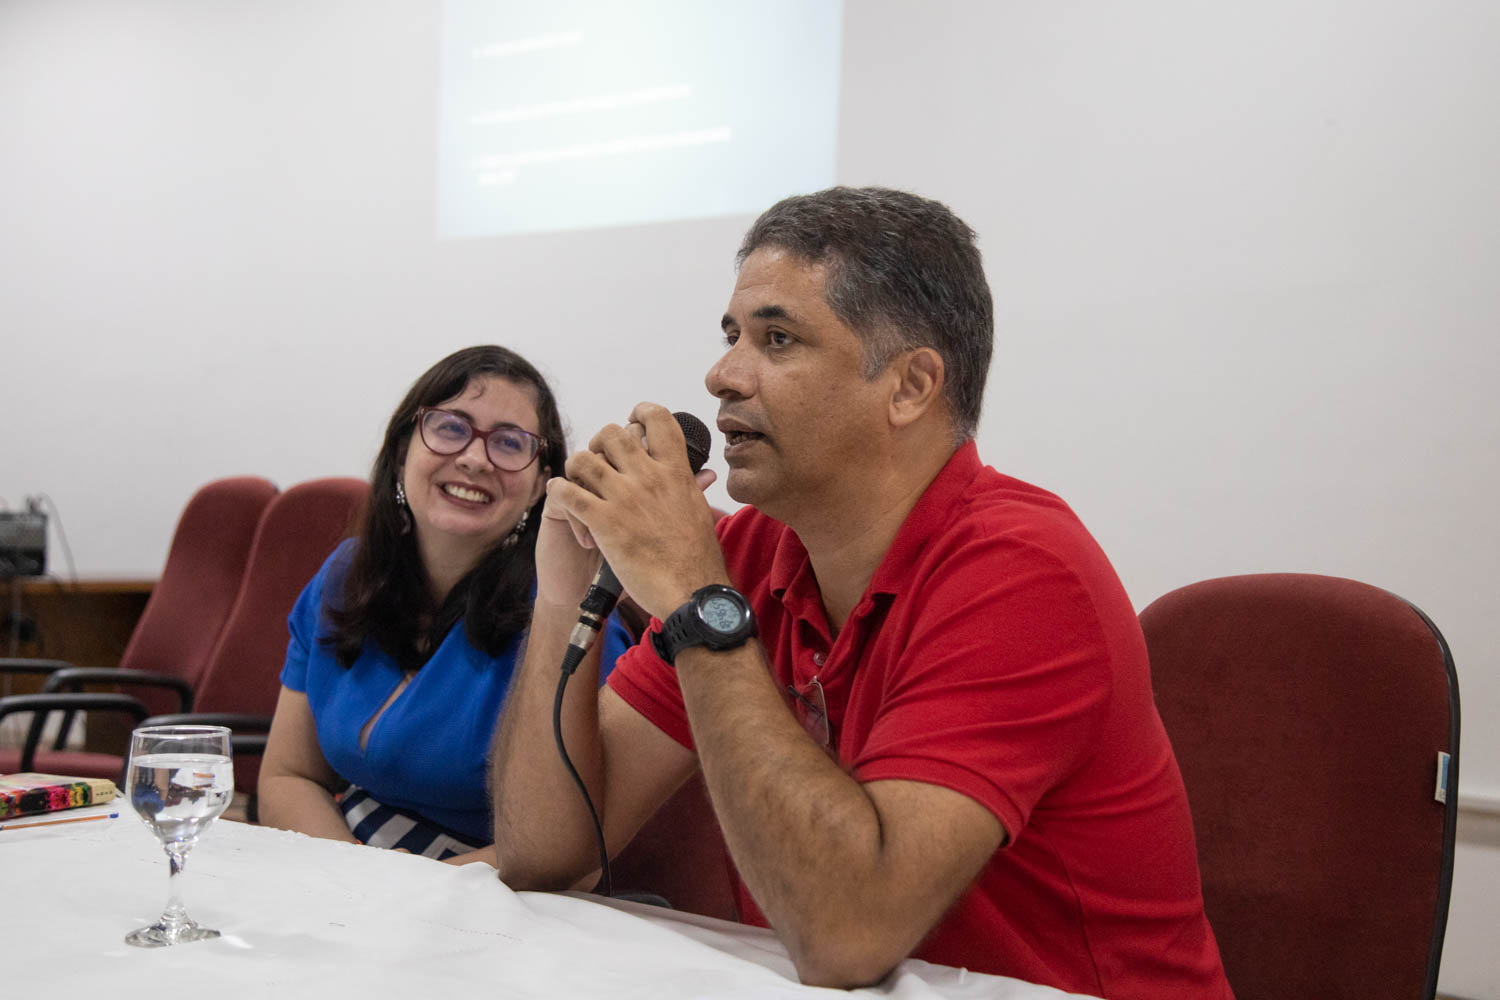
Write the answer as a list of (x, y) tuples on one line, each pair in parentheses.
[(234, 720), (70, 701), (19, 665), (247, 736), (73, 679)]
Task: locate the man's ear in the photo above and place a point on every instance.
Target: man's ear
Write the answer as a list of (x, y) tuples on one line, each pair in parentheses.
[(919, 385)]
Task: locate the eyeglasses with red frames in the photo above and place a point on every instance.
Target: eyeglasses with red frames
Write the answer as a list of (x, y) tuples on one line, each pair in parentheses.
[(447, 433)]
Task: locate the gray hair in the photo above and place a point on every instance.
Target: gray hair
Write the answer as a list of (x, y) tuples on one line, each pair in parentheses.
[(901, 272)]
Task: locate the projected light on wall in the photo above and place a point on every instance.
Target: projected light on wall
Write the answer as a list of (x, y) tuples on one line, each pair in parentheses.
[(568, 115)]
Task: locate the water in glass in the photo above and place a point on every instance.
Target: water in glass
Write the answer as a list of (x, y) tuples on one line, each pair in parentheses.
[(180, 779)]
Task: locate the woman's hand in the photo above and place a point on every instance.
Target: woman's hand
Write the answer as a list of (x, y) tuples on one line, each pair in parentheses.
[(485, 855)]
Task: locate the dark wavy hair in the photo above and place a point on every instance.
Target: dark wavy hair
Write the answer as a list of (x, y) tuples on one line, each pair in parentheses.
[(385, 596), (902, 272)]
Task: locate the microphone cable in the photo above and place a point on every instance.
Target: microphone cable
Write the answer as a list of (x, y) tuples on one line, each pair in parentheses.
[(593, 611), (604, 886)]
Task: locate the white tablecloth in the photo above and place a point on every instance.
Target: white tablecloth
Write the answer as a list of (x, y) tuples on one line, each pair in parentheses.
[(313, 918)]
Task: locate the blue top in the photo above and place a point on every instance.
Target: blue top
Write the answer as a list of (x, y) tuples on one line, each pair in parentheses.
[(428, 751)]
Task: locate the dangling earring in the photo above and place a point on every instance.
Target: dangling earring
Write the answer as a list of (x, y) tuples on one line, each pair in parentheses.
[(403, 507), (516, 532)]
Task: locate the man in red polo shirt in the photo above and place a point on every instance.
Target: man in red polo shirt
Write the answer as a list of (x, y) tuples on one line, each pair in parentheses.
[(915, 687)]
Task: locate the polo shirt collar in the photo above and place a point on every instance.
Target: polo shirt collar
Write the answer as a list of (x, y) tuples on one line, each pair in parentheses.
[(790, 571), (789, 563), (932, 514)]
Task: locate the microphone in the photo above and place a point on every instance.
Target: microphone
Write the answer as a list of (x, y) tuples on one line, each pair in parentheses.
[(604, 592)]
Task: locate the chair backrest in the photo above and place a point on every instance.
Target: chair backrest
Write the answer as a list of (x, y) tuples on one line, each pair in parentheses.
[(680, 855), (1310, 716), (296, 534), (190, 602)]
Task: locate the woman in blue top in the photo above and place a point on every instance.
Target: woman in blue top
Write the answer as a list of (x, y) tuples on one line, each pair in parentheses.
[(403, 645)]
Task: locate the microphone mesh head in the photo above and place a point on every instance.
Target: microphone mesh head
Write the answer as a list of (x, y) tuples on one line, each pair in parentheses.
[(698, 440)]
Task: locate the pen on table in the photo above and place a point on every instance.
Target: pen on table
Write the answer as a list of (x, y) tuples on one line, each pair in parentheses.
[(55, 822)]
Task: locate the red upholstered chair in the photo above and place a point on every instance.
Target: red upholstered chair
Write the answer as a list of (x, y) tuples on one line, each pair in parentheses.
[(1315, 720), (680, 853), (239, 689), (178, 630), (66, 703)]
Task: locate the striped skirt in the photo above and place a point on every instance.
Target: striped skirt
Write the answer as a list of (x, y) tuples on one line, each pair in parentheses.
[(379, 825)]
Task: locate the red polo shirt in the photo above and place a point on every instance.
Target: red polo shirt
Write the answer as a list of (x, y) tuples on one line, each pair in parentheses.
[(996, 653)]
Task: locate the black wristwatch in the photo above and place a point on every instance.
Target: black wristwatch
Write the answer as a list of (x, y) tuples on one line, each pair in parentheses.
[(715, 616)]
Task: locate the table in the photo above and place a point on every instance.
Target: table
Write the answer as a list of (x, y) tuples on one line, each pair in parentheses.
[(319, 919)]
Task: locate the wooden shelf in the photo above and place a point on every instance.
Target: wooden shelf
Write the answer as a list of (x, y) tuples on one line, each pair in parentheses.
[(86, 622)]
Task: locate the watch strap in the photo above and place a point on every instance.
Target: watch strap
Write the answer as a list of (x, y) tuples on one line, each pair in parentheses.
[(685, 628)]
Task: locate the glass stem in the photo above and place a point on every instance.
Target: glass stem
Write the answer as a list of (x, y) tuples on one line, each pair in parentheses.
[(176, 913)]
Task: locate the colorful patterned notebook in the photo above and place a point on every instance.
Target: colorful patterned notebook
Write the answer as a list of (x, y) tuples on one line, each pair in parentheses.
[(27, 793)]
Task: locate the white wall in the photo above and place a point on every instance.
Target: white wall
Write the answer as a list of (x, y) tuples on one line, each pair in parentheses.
[(1244, 258)]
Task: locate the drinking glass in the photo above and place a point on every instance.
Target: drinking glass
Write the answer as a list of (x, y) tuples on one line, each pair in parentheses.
[(179, 780)]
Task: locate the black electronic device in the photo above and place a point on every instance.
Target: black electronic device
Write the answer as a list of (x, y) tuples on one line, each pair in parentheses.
[(23, 542)]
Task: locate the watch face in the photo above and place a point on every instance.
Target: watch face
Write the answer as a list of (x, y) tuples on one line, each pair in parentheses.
[(722, 614)]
